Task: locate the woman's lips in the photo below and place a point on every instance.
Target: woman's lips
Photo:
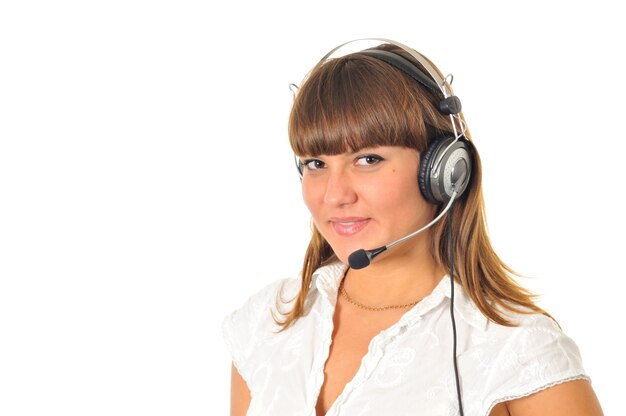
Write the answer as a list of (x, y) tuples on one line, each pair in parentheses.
[(348, 226)]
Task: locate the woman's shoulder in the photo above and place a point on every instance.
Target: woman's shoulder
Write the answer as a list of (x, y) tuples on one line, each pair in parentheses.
[(530, 334), (524, 318), (521, 320), (525, 325)]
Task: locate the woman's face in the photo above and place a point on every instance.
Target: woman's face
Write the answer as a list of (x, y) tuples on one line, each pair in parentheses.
[(365, 199)]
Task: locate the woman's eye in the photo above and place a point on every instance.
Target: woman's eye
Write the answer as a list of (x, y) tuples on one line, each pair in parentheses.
[(368, 160), (313, 164)]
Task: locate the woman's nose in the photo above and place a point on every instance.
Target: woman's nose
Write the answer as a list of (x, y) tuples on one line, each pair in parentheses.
[(339, 189)]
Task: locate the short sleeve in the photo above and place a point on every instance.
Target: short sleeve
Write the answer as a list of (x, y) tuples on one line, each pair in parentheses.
[(247, 327), (537, 356)]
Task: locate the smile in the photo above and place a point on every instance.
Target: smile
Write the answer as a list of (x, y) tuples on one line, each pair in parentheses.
[(348, 226)]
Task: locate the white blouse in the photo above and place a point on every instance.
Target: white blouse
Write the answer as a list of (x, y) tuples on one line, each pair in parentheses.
[(408, 368)]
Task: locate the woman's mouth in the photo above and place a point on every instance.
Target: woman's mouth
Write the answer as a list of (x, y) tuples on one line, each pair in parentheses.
[(348, 226)]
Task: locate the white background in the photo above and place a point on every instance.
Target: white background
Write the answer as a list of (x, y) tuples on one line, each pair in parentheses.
[(147, 187)]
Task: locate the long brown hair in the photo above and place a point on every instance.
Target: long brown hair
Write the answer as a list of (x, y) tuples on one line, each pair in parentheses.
[(357, 101)]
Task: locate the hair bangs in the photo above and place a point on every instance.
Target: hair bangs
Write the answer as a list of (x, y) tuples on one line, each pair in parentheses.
[(354, 102)]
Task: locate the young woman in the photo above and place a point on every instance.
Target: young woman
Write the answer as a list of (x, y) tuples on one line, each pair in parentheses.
[(380, 324)]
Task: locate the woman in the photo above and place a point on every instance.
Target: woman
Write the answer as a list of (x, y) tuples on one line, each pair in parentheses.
[(383, 153)]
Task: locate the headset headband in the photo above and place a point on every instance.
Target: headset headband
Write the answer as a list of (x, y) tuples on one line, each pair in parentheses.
[(442, 83)]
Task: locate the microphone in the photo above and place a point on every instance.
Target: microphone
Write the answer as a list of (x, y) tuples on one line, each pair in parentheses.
[(362, 258)]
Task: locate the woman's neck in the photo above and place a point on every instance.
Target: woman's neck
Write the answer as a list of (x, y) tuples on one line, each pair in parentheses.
[(404, 275)]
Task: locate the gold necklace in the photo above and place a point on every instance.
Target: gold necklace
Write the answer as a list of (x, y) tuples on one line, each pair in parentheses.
[(342, 290)]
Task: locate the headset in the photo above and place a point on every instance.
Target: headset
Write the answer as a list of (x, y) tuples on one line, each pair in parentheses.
[(445, 167)]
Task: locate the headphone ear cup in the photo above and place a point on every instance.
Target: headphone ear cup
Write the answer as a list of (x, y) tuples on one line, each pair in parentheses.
[(453, 172), (424, 176)]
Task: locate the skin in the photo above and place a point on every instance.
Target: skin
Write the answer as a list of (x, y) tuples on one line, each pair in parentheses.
[(375, 191)]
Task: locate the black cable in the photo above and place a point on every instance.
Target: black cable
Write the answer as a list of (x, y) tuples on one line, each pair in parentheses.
[(456, 369)]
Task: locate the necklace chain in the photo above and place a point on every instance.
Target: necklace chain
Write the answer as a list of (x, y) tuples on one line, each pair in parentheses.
[(342, 290)]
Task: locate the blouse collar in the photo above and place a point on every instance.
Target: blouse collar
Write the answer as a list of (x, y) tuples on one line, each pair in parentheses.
[(327, 279)]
